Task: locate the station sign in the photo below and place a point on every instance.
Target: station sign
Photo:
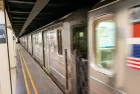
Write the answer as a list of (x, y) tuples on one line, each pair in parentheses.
[(2, 34)]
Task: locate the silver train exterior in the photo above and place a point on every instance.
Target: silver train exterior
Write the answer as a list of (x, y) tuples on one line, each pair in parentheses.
[(47, 44), (109, 72), (30, 44)]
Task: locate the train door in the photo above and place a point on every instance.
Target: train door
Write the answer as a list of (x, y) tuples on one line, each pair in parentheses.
[(32, 44), (79, 43), (46, 50), (27, 43), (33, 40)]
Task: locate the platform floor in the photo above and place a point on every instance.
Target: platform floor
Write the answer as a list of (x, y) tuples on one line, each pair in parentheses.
[(31, 79)]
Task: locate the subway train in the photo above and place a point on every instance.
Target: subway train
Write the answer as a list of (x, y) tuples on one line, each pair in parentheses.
[(106, 37)]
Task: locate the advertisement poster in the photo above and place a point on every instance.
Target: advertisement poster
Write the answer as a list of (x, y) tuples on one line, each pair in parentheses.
[(2, 34), (134, 39)]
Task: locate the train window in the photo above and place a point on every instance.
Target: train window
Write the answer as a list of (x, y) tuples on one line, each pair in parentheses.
[(59, 41), (105, 43), (79, 40)]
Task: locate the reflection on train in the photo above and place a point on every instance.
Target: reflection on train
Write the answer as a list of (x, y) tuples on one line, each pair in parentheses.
[(106, 36)]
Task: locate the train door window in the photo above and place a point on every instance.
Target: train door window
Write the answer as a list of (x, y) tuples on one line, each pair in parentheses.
[(59, 41), (40, 39), (79, 40), (36, 39), (105, 42)]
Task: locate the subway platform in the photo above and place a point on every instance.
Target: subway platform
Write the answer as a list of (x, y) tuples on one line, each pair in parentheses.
[(29, 78)]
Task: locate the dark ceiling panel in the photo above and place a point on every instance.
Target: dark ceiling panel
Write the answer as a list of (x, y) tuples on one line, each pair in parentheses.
[(19, 11), (21, 5)]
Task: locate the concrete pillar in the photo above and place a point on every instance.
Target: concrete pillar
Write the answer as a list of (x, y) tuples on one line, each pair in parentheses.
[(11, 43), (11, 48), (5, 82)]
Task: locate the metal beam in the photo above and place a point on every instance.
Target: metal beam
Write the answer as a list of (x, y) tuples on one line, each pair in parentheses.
[(24, 18), (18, 18), (21, 2), (18, 21), (32, 3), (22, 12), (40, 4), (19, 12), (22, 25)]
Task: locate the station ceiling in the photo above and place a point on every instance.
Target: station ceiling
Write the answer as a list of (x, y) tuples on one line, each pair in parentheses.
[(29, 15)]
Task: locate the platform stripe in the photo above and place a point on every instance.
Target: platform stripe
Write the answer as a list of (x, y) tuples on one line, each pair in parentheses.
[(24, 75), (29, 74)]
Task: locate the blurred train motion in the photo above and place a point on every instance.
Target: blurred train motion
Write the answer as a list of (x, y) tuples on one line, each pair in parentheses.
[(101, 46)]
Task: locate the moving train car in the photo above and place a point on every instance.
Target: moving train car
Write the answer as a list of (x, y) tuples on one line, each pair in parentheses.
[(113, 36), (49, 44), (109, 39)]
